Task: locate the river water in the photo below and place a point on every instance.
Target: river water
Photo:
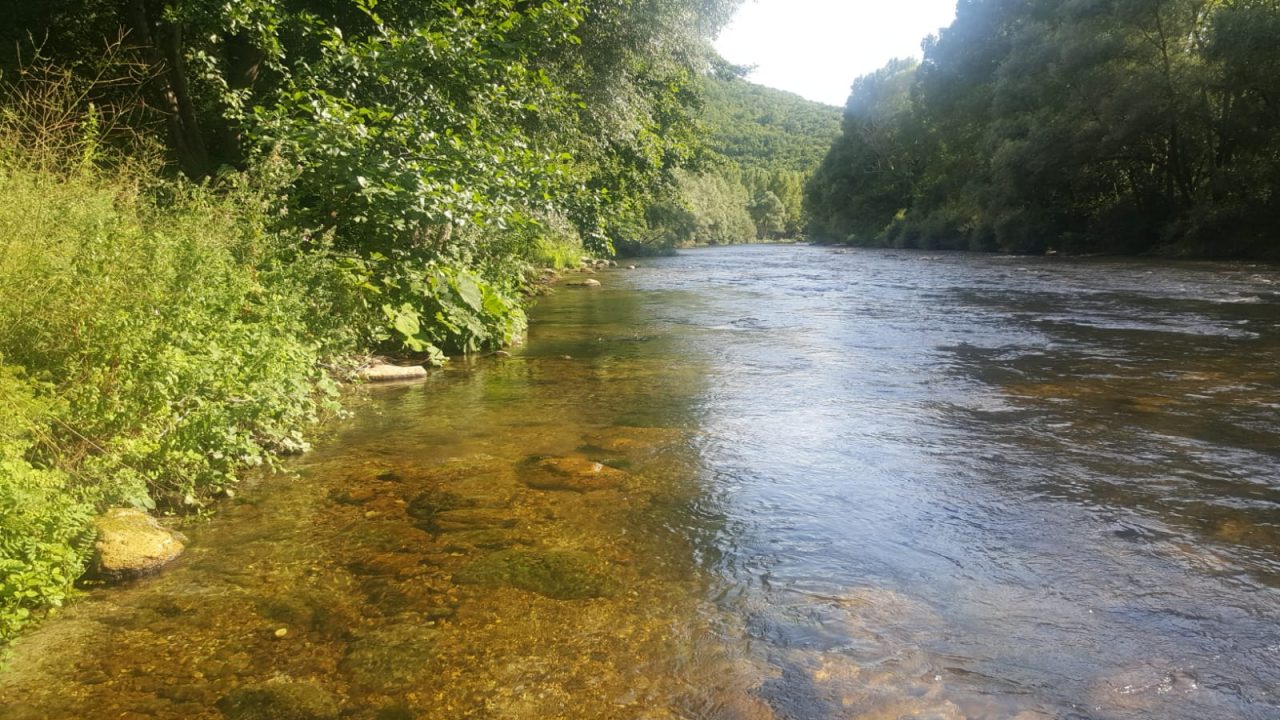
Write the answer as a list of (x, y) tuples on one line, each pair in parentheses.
[(753, 483)]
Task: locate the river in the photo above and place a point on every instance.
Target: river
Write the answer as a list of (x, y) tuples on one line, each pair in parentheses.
[(754, 483)]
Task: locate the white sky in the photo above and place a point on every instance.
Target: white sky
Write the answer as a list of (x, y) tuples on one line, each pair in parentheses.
[(816, 48)]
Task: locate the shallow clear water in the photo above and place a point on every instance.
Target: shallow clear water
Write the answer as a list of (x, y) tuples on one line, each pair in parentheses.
[(832, 484)]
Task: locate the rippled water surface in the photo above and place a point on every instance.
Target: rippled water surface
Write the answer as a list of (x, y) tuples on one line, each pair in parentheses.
[(753, 483)]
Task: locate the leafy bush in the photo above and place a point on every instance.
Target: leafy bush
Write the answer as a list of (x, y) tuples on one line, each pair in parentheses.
[(557, 243), (436, 309), (173, 330), (44, 526), (174, 337)]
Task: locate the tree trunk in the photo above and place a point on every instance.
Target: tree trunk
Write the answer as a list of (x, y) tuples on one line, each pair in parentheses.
[(171, 92)]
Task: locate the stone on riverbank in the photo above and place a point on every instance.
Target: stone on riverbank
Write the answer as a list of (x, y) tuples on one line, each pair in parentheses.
[(557, 574), (281, 700), (131, 543), (389, 373), (588, 283)]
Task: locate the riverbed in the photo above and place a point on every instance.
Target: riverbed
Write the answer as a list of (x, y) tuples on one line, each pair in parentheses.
[(754, 483)]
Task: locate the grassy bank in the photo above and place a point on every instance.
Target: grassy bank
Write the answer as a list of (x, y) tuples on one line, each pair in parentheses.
[(155, 342), (157, 339)]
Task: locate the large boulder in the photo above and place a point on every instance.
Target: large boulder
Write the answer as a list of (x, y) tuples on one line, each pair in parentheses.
[(131, 543)]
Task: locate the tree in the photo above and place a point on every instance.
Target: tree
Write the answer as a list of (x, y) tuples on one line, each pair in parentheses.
[(769, 215)]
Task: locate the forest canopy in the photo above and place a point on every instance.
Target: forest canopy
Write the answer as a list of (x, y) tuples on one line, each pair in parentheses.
[(1081, 126), (404, 118)]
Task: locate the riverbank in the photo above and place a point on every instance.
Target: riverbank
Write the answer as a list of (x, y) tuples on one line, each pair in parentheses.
[(1261, 254), (446, 528), (158, 340)]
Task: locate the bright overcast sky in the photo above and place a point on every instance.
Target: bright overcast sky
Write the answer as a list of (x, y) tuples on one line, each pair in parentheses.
[(816, 48)]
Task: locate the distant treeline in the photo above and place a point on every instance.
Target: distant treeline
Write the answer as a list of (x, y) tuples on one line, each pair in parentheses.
[(1121, 126)]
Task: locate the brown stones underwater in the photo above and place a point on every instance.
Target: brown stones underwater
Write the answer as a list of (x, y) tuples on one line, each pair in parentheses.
[(381, 583), (575, 473), (558, 574)]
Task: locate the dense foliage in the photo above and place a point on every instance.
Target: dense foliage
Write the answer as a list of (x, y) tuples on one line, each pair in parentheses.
[(207, 208), (167, 346), (1081, 126)]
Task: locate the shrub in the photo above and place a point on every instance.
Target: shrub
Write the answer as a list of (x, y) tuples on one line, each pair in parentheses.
[(44, 525), (435, 308), (172, 329)]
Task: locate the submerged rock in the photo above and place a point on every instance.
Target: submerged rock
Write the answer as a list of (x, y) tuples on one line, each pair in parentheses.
[(576, 474), (388, 537), (394, 564), (392, 657), (425, 507), (484, 539), (471, 519), (631, 440), (588, 283), (386, 373), (131, 543), (280, 700), (557, 574)]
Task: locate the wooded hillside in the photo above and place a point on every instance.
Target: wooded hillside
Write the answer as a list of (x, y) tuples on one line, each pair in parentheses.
[(1085, 126)]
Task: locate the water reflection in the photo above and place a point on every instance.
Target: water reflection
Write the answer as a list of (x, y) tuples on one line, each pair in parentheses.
[(756, 483)]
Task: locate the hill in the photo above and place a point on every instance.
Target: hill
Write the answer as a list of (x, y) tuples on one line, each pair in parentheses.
[(768, 142), (760, 127)]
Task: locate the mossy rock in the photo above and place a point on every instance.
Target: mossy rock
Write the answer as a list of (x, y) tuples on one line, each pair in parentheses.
[(394, 657), (557, 574), (131, 543), (485, 539), (424, 507), (471, 519), (388, 537), (279, 701)]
